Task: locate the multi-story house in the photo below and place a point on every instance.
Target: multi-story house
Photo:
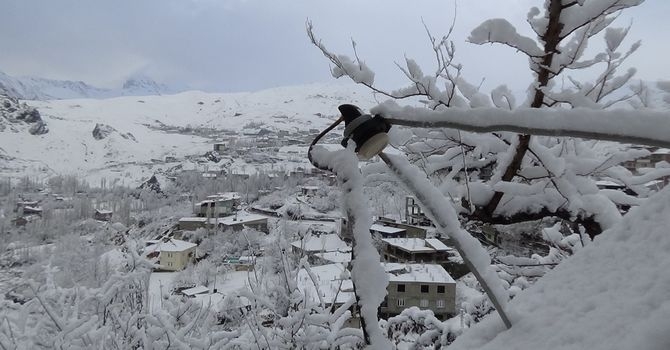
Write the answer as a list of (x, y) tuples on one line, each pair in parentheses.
[(426, 286), (171, 254)]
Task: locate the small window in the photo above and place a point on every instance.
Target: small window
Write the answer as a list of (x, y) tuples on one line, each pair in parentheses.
[(424, 288), (440, 304), (401, 288), (440, 289), (401, 302), (423, 303)]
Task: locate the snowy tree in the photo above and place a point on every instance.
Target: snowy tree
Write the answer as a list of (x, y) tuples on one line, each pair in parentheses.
[(532, 177), (498, 162)]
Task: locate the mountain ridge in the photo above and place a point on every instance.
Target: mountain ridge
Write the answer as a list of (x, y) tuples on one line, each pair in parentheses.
[(36, 88)]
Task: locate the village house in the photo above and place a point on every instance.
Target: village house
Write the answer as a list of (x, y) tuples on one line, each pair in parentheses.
[(426, 286), (235, 222), (220, 204), (430, 250), (656, 155), (312, 244), (28, 208), (384, 231), (336, 257), (170, 254), (103, 215), (411, 231), (308, 190)]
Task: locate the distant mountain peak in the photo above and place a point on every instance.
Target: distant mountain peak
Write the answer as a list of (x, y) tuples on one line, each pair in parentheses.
[(35, 88), (143, 85)]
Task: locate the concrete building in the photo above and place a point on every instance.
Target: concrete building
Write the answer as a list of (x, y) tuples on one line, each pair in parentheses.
[(411, 250), (171, 254), (413, 213), (217, 205), (426, 286), (411, 231), (387, 231)]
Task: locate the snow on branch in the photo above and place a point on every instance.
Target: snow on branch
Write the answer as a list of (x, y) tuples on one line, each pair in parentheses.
[(501, 31), (644, 127), (575, 17), (368, 276), (356, 69)]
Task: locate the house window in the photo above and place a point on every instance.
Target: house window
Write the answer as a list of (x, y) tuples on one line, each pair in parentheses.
[(424, 288), (423, 303), (440, 289), (401, 302), (440, 304), (401, 289)]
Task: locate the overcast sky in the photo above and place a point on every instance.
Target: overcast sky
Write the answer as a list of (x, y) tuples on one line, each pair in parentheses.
[(243, 45)]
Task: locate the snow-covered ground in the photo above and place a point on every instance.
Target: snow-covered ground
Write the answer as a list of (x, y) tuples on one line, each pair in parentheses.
[(613, 294), (162, 282), (147, 129)]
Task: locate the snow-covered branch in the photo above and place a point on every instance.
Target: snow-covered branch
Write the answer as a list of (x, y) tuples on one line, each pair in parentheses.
[(645, 127)]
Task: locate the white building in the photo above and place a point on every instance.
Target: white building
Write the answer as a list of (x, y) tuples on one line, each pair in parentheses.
[(171, 254)]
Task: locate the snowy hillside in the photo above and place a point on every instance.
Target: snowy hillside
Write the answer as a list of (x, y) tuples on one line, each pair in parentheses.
[(133, 135), (34, 88)]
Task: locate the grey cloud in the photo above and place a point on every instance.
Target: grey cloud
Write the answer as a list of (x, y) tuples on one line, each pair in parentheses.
[(234, 45)]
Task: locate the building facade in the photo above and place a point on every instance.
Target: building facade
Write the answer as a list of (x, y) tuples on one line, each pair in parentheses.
[(426, 286)]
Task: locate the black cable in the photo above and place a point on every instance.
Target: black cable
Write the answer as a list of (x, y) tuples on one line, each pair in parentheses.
[(316, 139)]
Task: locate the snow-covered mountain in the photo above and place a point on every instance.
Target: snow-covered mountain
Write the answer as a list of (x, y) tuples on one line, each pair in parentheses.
[(129, 138), (33, 88)]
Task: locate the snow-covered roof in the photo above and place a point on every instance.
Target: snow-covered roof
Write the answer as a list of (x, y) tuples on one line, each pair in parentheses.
[(661, 151), (436, 244), (323, 243), (240, 218), (421, 273), (333, 281), (225, 196), (195, 290), (417, 244), (193, 219), (386, 229), (335, 257), (172, 245)]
